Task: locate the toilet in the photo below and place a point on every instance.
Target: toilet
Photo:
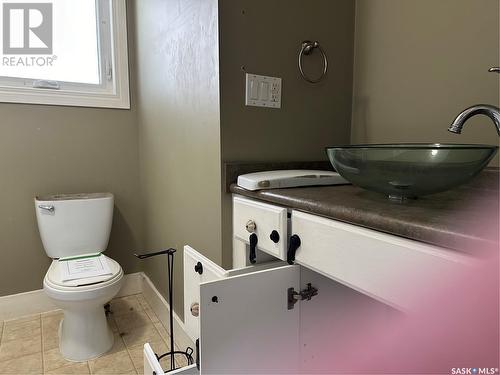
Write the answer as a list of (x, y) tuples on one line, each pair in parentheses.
[(71, 225)]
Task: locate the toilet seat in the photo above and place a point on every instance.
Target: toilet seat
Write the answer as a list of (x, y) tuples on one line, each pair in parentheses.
[(53, 277)]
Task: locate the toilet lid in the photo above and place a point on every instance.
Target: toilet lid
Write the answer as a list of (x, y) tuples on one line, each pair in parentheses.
[(54, 275)]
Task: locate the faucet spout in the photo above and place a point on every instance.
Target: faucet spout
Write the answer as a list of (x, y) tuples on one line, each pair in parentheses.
[(482, 109)]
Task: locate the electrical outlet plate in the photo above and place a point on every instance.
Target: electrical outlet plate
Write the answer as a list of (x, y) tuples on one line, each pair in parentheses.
[(263, 91)]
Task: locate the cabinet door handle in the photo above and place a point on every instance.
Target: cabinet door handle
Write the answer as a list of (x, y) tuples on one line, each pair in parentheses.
[(275, 236), (253, 246), (292, 248), (198, 268)]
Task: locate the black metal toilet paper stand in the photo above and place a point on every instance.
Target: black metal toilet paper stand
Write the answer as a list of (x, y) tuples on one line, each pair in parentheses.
[(189, 351)]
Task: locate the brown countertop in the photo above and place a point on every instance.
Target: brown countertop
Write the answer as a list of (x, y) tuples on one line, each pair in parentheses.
[(464, 219)]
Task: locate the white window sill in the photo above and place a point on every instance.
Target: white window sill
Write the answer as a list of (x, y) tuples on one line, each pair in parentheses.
[(65, 98)]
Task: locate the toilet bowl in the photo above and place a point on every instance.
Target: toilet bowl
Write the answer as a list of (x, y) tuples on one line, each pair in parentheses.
[(74, 225), (84, 333)]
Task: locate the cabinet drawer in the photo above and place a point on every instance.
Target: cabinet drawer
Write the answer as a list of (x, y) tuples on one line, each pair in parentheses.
[(394, 270), (270, 225)]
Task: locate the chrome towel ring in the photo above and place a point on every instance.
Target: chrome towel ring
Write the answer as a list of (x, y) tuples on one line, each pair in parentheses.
[(307, 48)]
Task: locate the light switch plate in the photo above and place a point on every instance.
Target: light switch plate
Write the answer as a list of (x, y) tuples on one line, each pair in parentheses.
[(263, 91)]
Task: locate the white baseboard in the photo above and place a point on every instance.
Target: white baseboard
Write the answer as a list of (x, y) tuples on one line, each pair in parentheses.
[(162, 309), (37, 302), (22, 304)]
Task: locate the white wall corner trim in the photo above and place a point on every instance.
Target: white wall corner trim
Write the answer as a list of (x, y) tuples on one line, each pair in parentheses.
[(132, 284), (161, 308)]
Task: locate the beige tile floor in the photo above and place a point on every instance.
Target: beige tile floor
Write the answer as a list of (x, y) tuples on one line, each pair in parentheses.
[(29, 345)]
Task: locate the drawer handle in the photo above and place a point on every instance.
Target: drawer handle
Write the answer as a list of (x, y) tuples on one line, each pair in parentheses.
[(198, 268), (292, 248), (253, 246), (275, 236), (195, 309), (251, 226)]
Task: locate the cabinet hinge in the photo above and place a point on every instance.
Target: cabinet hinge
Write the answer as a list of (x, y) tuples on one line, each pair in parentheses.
[(303, 295)]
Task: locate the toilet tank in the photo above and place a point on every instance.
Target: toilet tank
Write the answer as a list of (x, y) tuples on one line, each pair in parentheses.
[(74, 224)]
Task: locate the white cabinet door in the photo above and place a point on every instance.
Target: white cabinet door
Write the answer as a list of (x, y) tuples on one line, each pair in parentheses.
[(199, 269), (246, 326)]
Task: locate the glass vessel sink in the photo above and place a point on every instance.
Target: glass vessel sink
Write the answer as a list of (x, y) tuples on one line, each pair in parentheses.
[(404, 171)]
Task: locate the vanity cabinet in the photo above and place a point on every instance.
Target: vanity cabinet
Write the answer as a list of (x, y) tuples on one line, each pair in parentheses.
[(390, 269), (267, 315)]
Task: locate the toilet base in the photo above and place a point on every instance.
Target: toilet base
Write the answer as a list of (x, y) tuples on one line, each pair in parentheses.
[(84, 334)]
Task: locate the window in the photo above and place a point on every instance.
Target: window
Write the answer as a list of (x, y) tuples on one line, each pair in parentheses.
[(64, 52)]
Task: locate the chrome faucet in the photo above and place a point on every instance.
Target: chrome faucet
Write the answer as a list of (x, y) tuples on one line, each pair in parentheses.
[(481, 109), (491, 111)]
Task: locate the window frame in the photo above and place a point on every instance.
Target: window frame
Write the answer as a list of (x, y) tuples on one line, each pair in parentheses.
[(113, 92)]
